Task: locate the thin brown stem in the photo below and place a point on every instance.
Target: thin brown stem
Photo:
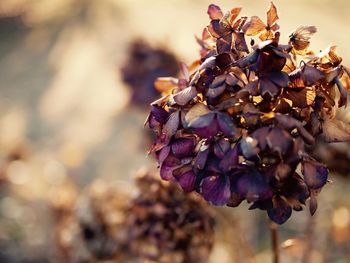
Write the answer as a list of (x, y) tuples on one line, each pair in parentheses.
[(275, 242), (309, 239)]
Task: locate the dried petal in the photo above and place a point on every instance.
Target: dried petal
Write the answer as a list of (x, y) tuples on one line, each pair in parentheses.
[(254, 26), (315, 174), (216, 189), (187, 181), (280, 211), (214, 12)]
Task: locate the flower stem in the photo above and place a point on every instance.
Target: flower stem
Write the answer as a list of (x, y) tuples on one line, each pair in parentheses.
[(274, 241)]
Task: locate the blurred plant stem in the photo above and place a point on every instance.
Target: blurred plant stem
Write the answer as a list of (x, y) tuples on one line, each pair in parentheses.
[(310, 233), (274, 241), (232, 234)]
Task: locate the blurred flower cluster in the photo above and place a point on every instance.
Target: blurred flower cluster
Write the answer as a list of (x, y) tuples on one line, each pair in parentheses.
[(159, 224), (143, 66), (236, 125)]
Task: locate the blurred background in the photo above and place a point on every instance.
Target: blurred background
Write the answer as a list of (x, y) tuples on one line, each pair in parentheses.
[(69, 114)]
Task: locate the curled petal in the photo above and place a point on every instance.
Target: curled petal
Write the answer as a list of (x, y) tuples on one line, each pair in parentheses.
[(216, 189), (315, 174)]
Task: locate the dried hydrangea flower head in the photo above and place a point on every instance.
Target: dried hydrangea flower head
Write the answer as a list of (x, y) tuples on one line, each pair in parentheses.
[(101, 214), (143, 66), (235, 126), (159, 223), (90, 227), (167, 225)]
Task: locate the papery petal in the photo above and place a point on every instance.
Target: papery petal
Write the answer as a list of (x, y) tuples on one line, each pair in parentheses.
[(214, 12), (272, 15), (315, 174), (185, 96), (224, 43), (254, 26), (279, 140), (254, 186), (159, 114), (197, 110), (216, 189), (248, 147), (226, 124), (221, 147), (182, 147), (280, 211), (260, 135), (201, 158), (187, 181), (230, 159)]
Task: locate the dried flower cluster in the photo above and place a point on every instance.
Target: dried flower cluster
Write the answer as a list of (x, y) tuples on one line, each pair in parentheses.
[(235, 126), (160, 224), (143, 66)]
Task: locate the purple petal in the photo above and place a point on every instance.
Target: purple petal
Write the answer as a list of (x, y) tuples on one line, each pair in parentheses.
[(249, 147), (205, 126), (279, 140), (182, 147), (254, 186), (163, 154), (201, 157), (216, 189), (230, 160), (159, 114), (166, 172), (187, 181), (168, 166), (185, 96), (260, 135), (171, 126), (226, 125), (221, 147), (214, 12), (280, 211), (315, 174), (202, 121)]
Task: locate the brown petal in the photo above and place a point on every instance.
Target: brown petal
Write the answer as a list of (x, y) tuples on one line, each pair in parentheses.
[(254, 26), (234, 14), (166, 84), (240, 43), (272, 15)]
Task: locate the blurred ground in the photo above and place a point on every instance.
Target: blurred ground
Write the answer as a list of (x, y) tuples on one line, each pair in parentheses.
[(63, 104)]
